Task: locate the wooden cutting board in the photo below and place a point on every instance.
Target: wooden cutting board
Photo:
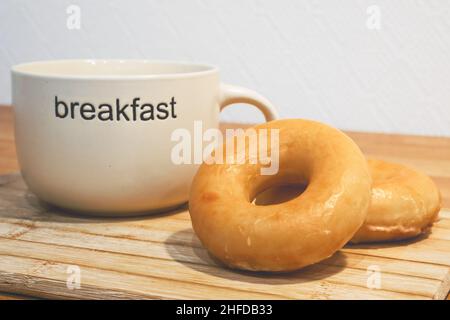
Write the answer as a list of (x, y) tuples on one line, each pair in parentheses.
[(44, 252)]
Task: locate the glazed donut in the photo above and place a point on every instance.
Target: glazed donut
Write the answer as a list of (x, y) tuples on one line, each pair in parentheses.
[(404, 203), (293, 234)]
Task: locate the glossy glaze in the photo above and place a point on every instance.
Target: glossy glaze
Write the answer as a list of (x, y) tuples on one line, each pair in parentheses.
[(405, 202), (296, 233)]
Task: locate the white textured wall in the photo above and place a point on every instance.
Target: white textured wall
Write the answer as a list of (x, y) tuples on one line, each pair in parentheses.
[(313, 59)]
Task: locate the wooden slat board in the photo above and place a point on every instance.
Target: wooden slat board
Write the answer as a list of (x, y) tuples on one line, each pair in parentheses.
[(160, 257)]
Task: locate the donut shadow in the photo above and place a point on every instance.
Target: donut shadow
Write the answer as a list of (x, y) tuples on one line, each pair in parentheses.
[(196, 257), (391, 243)]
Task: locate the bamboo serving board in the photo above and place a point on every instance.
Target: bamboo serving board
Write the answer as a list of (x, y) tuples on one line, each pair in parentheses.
[(159, 257)]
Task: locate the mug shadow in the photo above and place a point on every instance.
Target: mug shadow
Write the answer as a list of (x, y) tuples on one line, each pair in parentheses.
[(194, 256), (50, 212), (34, 209), (18, 202)]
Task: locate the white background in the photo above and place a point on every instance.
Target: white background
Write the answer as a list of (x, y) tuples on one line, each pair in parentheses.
[(313, 59)]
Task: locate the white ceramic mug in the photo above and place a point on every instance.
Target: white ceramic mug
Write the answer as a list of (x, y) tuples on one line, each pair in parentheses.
[(94, 135)]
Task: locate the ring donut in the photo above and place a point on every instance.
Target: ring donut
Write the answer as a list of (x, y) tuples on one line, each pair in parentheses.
[(404, 203), (293, 234)]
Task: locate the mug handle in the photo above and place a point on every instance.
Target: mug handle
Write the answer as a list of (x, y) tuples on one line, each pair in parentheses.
[(230, 94)]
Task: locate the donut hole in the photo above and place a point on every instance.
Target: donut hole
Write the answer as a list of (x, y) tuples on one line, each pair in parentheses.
[(279, 194)]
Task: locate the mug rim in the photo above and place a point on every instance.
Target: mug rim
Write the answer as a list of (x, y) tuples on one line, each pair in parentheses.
[(198, 69)]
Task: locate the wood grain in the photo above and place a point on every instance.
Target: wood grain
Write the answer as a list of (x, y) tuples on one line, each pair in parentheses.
[(160, 257)]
